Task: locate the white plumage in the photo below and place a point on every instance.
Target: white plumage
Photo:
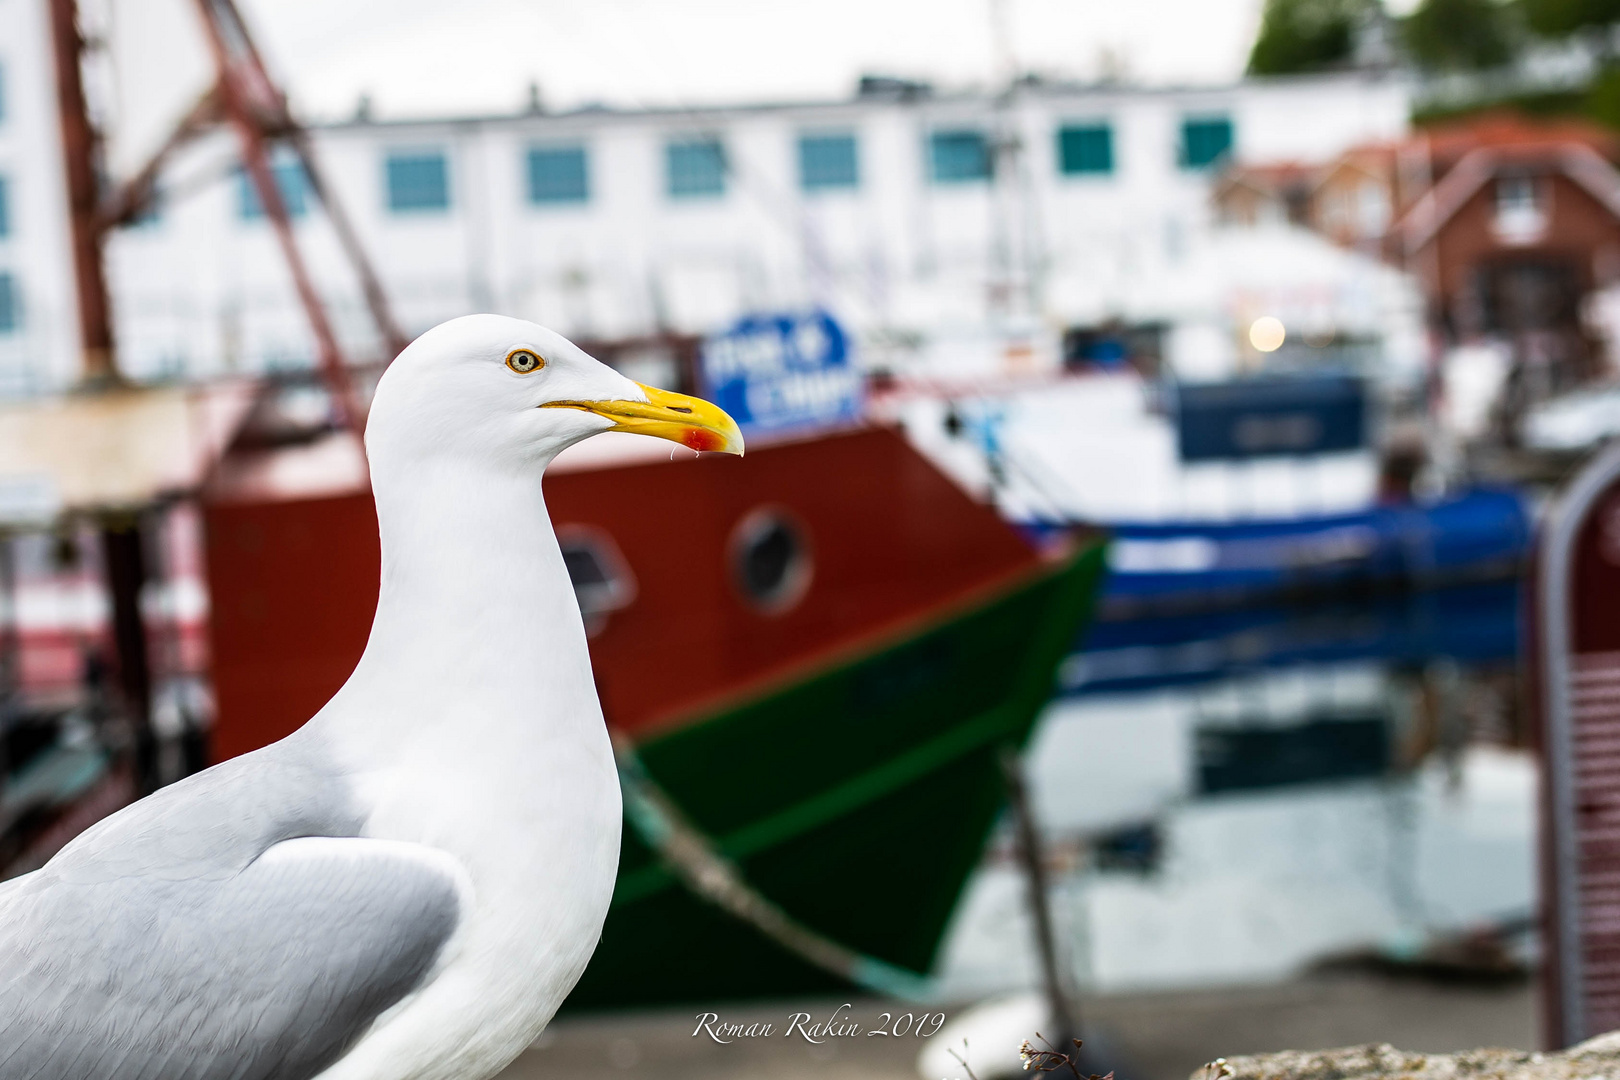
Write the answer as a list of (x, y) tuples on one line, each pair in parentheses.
[(409, 885)]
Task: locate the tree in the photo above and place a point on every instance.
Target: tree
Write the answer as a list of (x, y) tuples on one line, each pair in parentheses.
[(1460, 35), (1307, 35), (1561, 18)]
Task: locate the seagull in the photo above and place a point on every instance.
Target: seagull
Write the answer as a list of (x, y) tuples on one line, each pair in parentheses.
[(409, 884)]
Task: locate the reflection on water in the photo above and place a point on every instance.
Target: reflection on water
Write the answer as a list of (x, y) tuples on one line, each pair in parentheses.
[(1234, 796)]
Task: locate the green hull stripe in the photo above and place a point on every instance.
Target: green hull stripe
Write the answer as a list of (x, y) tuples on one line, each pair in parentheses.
[(838, 801)]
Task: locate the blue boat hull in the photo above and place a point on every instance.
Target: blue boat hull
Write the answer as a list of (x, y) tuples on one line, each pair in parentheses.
[(1181, 567)]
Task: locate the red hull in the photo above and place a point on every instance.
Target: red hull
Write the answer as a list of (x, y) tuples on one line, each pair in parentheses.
[(891, 541)]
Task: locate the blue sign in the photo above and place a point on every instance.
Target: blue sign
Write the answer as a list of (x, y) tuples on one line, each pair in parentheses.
[(780, 372)]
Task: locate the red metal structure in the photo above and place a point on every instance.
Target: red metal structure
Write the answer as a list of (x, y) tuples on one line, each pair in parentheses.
[(1578, 670), (245, 96)]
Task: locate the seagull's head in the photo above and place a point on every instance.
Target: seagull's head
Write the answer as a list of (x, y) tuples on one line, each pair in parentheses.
[(510, 393)]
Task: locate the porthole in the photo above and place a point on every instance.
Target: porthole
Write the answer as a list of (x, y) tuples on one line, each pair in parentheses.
[(601, 578), (770, 560)]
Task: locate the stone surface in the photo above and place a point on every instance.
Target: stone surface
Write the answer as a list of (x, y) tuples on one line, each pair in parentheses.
[(1160, 1036), (1596, 1058)]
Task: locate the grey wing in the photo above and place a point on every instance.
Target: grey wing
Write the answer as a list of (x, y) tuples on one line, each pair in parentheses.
[(270, 972)]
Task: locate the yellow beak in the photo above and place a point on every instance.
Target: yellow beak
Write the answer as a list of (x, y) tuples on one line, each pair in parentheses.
[(689, 421)]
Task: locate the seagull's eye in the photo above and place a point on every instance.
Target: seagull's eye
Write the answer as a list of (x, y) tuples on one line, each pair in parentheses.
[(523, 361)]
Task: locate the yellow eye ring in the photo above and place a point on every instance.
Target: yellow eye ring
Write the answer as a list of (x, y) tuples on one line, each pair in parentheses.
[(524, 361)]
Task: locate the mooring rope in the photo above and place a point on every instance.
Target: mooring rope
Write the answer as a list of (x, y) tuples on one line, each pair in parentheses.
[(696, 860)]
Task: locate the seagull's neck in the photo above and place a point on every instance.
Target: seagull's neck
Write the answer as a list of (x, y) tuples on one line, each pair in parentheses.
[(477, 629)]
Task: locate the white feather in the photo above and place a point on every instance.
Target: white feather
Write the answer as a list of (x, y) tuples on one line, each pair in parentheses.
[(471, 725)]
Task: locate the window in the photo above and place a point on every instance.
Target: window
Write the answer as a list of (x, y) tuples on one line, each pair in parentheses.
[(1086, 150), (828, 161), (602, 580), (956, 157), (1372, 208), (1517, 195), (1521, 209), (290, 182), (5, 209), (770, 560), (695, 168), (1205, 142), (10, 304), (557, 174), (418, 181)]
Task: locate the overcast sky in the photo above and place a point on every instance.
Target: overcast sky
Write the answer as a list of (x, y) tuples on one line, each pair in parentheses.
[(418, 57)]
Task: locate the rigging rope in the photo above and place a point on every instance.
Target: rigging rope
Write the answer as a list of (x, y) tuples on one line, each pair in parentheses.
[(696, 860)]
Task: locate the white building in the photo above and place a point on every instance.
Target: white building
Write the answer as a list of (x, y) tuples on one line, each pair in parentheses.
[(38, 332), (895, 209)]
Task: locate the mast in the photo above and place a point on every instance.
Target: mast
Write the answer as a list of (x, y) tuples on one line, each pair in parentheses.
[(99, 365), (123, 546)]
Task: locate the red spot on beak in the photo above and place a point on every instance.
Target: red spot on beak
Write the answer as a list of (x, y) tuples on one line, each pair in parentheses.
[(699, 439)]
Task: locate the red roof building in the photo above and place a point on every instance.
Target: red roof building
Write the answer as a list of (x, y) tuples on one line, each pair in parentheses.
[(1508, 222)]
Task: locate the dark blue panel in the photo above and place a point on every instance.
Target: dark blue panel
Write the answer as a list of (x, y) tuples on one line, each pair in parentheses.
[(1247, 758), (1269, 417)]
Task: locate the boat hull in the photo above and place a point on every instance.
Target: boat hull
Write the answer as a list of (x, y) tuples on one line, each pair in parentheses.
[(836, 734), (1189, 567), (858, 800)]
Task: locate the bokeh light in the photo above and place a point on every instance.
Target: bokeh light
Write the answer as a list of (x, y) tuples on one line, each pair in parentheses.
[(1267, 333)]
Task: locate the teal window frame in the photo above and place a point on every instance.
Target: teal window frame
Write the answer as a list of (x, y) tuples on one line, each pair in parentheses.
[(695, 168), (959, 156), (10, 304), (829, 161), (1086, 149), (1206, 141), (291, 182), (417, 181), (5, 207), (557, 175)]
